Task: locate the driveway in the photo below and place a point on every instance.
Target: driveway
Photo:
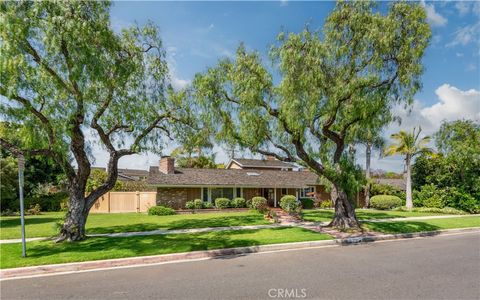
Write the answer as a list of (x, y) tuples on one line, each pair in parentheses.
[(441, 267)]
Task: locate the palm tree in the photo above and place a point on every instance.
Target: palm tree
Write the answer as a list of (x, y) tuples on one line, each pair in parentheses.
[(410, 145)]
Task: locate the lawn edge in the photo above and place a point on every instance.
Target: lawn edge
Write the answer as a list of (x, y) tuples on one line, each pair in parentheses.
[(65, 268)]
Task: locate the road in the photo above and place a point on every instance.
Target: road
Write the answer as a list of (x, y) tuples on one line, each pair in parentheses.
[(441, 267)]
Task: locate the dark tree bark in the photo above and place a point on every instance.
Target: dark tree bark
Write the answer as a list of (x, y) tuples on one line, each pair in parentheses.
[(345, 216), (367, 174)]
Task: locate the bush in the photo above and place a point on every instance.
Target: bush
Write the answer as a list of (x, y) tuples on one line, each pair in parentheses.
[(386, 189), (190, 205), (198, 204), (207, 205), (222, 203), (461, 200), (53, 202), (260, 204), (421, 198), (34, 210), (385, 202), (160, 211), (239, 203), (307, 203), (445, 210), (289, 203), (326, 204)]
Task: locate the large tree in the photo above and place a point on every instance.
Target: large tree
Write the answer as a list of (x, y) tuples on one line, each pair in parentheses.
[(408, 145), (320, 86), (69, 79)]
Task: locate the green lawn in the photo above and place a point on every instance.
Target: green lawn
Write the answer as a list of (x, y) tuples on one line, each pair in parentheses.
[(325, 215), (424, 225), (47, 252), (45, 225)]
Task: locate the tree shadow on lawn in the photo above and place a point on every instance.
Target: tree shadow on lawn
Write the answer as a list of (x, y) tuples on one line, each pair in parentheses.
[(183, 224), (104, 247), (365, 215), (327, 215), (402, 227), (31, 220)]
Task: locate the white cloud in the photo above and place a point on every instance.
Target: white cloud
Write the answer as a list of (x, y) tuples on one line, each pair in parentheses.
[(435, 19), (463, 7), (453, 104), (466, 35), (178, 83)]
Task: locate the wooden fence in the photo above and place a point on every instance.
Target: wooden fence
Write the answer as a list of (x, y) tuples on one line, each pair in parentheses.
[(118, 202)]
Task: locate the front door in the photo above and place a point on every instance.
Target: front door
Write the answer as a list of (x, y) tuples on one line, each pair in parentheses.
[(269, 194)]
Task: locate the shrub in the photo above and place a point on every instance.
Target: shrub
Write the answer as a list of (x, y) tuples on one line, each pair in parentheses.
[(421, 197), (239, 203), (461, 200), (386, 189), (160, 211), (222, 203), (260, 204), (190, 205), (51, 202), (289, 203), (326, 204), (207, 205), (445, 210), (307, 203), (385, 202), (436, 201), (34, 210), (198, 204)]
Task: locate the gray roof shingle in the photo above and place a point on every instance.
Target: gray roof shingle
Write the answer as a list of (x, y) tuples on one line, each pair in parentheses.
[(259, 163), (232, 177)]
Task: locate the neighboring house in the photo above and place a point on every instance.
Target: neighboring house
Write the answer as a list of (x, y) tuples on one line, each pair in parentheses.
[(395, 182), (245, 178), (128, 174)]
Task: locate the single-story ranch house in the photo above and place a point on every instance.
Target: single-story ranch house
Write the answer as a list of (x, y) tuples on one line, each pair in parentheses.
[(244, 178), (171, 186)]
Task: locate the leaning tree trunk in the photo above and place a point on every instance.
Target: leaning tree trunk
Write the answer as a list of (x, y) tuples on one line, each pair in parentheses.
[(409, 202), (73, 228), (367, 174), (345, 216)]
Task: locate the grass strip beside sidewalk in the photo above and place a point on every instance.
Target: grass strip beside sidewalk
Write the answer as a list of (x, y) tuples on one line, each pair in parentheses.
[(47, 252), (422, 225)]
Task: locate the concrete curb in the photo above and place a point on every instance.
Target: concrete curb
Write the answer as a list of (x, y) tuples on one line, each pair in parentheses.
[(6, 274)]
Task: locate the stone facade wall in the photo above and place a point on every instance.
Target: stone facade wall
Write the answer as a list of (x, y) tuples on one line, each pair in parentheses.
[(177, 197)]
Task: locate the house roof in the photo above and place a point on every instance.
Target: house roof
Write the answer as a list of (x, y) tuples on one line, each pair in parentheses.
[(260, 163), (399, 183), (232, 177)]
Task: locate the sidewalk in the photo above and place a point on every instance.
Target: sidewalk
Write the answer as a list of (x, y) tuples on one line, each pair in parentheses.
[(66, 268), (286, 221)]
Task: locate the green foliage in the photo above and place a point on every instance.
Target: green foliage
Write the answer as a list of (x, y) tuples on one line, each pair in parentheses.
[(239, 203), (385, 202), (49, 202), (198, 203), (161, 211), (393, 175), (222, 203), (289, 204), (207, 205), (307, 203), (190, 205), (386, 189), (461, 200), (97, 178), (326, 204), (445, 210), (259, 204), (337, 79), (8, 183)]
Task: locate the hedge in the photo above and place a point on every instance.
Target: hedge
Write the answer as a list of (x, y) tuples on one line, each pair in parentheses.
[(239, 203), (307, 203), (385, 202), (160, 211), (289, 203), (222, 203)]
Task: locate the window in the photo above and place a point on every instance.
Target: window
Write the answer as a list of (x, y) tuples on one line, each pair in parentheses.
[(239, 192), (284, 191), (222, 193), (205, 194), (307, 192)]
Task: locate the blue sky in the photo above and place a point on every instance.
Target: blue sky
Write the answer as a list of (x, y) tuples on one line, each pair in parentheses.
[(197, 34)]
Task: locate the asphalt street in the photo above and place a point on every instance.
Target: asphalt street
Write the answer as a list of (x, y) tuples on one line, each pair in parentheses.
[(441, 267)]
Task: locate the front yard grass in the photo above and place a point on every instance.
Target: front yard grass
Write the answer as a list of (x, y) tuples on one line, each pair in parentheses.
[(424, 225), (45, 225), (47, 252), (326, 215)]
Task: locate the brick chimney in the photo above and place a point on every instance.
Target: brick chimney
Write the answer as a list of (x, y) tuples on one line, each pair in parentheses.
[(270, 157), (167, 165)]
